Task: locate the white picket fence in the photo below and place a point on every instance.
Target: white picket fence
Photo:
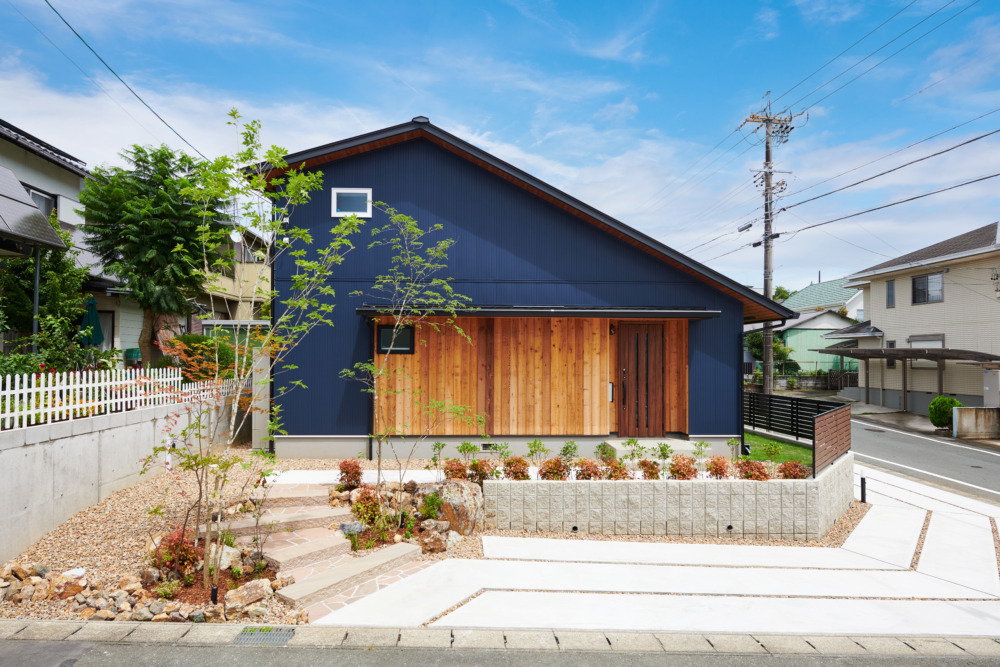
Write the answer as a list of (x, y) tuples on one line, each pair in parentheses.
[(45, 398)]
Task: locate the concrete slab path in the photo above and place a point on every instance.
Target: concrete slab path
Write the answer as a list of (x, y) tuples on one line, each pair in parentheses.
[(888, 534), (960, 548)]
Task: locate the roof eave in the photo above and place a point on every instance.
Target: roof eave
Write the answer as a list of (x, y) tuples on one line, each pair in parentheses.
[(924, 264)]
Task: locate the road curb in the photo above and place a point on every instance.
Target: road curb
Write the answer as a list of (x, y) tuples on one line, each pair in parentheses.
[(190, 634)]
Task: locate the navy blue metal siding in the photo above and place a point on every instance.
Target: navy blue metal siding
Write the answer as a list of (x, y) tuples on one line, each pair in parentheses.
[(512, 248)]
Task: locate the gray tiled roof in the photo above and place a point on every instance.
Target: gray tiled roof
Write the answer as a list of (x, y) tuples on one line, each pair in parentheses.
[(984, 237), (42, 149), (20, 219)]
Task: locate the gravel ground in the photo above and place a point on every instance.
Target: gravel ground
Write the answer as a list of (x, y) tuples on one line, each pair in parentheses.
[(110, 539)]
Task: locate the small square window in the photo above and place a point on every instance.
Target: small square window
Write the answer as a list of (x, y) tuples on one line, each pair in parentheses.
[(928, 289), (403, 344), (347, 201)]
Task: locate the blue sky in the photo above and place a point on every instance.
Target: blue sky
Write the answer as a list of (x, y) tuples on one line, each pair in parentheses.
[(618, 104)]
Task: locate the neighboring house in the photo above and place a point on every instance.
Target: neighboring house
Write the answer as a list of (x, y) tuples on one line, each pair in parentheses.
[(585, 328), (933, 323), (805, 334), (831, 295)]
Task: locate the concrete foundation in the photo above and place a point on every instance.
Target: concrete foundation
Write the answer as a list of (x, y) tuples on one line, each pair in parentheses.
[(917, 401), (777, 509), (983, 423)]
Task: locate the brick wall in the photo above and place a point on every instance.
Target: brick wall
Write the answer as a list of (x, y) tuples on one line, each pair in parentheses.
[(833, 436), (777, 509)]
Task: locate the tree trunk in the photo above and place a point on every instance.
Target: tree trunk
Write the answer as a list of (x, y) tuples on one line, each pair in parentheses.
[(146, 347)]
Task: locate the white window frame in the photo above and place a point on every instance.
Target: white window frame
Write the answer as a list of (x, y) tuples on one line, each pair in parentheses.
[(343, 214)]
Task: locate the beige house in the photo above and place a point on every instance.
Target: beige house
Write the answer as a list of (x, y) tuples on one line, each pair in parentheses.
[(933, 323)]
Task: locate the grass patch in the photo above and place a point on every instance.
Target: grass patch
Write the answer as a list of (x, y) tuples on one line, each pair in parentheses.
[(787, 451)]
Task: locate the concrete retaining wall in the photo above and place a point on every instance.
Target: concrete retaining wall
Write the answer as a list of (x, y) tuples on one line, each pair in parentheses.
[(777, 509), (976, 422), (50, 472)]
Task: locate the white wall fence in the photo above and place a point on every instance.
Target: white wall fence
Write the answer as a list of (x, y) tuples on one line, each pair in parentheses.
[(47, 398)]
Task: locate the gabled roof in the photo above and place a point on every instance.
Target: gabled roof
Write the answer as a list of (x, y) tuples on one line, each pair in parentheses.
[(859, 330), (42, 149), (20, 220), (756, 308), (797, 323), (979, 240), (820, 295)]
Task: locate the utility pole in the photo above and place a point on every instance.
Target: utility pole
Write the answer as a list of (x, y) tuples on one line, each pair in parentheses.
[(776, 129)]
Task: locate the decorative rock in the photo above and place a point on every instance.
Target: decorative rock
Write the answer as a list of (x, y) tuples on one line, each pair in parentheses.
[(397, 538), (238, 600), (27, 592), (160, 618), (177, 618), (104, 615), (462, 503), (123, 616), (454, 538), (282, 580), (410, 487), (303, 617), (355, 494), (149, 576), (12, 590), (19, 571), (432, 542), (141, 614), (391, 487), (127, 580), (67, 587), (443, 527), (87, 613), (81, 598), (351, 528), (256, 611), (75, 572), (197, 616), (39, 570), (157, 608), (214, 613), (429, 525), (227, 558)]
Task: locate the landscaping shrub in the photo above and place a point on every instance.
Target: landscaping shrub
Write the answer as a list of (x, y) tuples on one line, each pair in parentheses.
[(650, 469), (553, 469), (350, 474), (516, 468), (481, 470), (537, 451), (588, 469), (718, 467), (456, 469), (19, 364), (750, 469), (605, 452), (206, 356), (365, 509), (174, 552), (940, 410), (682, 467), (772, 450), (569, 451), (167, 589), (616, 470), (794, 470), (431, 506)]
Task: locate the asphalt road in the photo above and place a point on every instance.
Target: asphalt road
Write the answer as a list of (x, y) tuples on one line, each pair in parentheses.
[(964, 468)]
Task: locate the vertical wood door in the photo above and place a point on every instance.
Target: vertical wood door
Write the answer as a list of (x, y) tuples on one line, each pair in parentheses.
[(640, 380)]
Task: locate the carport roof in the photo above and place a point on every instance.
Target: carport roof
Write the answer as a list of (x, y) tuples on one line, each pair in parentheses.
[(20, 220)]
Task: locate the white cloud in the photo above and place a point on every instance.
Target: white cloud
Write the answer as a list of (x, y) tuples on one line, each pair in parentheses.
[(621, 111), (828, 11)]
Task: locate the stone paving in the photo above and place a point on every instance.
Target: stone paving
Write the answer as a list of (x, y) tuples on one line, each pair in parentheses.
[(321, 609)]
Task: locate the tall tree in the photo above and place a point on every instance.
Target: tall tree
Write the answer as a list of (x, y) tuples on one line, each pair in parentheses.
[(148, 234), (782, 293)]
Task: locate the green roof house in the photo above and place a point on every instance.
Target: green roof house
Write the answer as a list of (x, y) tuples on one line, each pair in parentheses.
[(831, 295)]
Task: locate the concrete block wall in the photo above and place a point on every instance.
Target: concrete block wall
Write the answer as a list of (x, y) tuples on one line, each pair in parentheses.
[(50, 472), (981, 423), (776, 509)]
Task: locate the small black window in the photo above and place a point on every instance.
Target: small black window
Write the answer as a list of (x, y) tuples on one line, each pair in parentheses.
[(403, 344), (890, 294), (890, 363), (928, 289)]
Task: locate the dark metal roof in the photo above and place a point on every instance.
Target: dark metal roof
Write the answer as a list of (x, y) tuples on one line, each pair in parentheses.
[(756, 307), (20, 220), (42, 149), (930, 353), (984, 237), (859, 330), (567, 311)]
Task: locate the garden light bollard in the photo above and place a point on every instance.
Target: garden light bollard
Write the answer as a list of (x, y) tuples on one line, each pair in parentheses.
[(864, 481)]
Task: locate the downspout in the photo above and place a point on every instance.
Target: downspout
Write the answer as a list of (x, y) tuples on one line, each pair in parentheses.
[(371, 396), (743, 445), (34, 311)]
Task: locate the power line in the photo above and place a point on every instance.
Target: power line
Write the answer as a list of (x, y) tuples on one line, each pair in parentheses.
[(831, 60), (889, 171), (897, 203), (110, 69)]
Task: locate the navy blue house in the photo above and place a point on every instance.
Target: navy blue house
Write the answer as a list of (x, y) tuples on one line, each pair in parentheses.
[(584, 328)]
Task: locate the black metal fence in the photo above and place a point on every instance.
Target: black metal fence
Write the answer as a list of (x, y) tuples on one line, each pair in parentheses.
[(784, 414)]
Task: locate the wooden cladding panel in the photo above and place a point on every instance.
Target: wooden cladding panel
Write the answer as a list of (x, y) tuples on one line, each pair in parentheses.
[(675, 358), (528, 376)]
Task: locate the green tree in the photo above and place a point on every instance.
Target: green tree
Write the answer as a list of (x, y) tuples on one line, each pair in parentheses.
[(782, 354), (147, 233), (781, 293), (60, 289)]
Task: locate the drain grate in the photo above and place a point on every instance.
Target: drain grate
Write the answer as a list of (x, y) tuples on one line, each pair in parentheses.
[(264, 636)]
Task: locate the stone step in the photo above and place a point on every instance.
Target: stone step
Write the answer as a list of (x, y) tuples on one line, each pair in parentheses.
[(319, 587), (306, 518), (292, 495), (300, 555)]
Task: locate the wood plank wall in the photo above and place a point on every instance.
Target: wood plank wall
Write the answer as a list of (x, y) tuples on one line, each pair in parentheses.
[(528, 376)]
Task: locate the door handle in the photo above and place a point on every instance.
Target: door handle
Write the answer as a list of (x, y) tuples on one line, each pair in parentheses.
[(624, 392)]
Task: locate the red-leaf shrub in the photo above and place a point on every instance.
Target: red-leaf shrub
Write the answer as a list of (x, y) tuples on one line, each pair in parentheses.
[(366, 509), (682, 467), (481, 470), (515, 468), (616, 470), (588, 469), (350, 474), (456, 469), (750, 469), (794, 470), (718, 467), (174, 552), (553, 469), (650, 469)]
